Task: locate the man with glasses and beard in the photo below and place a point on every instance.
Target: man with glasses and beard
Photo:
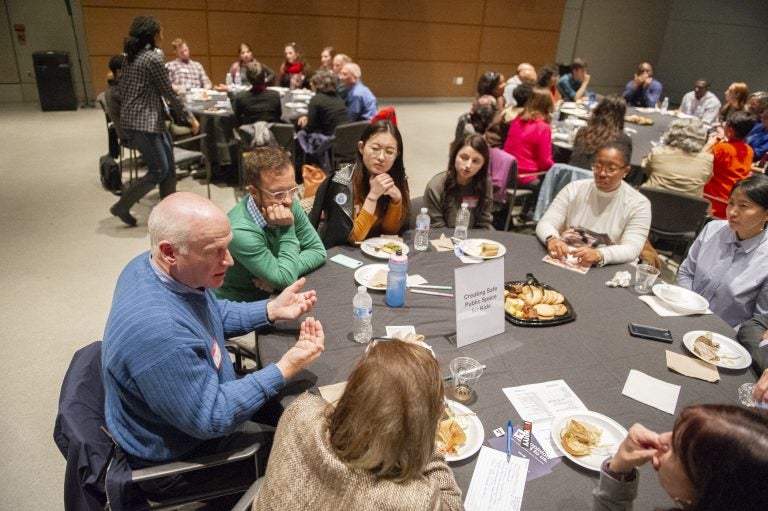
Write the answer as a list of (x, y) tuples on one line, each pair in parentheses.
[(273, 241)]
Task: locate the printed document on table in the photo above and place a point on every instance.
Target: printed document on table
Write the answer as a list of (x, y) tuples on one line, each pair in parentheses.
[(496, 485), (539, 403)]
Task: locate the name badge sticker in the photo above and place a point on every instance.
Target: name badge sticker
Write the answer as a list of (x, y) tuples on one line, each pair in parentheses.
[(216, 354)]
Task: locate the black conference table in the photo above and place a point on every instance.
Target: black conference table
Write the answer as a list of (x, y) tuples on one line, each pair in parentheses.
[(592, 354)]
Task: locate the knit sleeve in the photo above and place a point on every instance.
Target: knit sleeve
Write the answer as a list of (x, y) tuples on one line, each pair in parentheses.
[(554, 220), (433, 201), (184, 389), (633, 236), (313, 252), (440, 476), (362, 226), (751, 335), (484, 218), (240, 318), (613, 495), (393, 218)]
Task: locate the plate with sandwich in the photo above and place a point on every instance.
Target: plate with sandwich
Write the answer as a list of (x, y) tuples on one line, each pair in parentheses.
[(383, 247), (587, 438), (372, 276), (460, 433), (482, 248)]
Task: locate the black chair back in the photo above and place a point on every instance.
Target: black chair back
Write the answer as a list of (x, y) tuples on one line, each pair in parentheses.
[(675, 214), (345, 142), (285, 136)]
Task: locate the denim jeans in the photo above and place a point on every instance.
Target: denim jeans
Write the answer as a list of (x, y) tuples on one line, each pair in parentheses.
[(157, 152)]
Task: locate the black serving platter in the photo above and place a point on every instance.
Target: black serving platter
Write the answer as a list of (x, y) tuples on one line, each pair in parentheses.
[(557, 320)]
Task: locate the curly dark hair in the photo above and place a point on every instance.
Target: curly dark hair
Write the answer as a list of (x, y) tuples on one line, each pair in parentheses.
[(480, 182), (545, 75), (142, 33), (605, 123), (488, 83)]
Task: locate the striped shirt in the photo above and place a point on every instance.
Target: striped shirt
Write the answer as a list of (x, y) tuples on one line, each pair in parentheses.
[(188, 75)]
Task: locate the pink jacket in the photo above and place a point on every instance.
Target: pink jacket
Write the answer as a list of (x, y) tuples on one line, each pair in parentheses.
[(531, 143)]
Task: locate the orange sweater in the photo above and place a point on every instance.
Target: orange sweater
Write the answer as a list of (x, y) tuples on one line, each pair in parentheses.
[(367, 224), (732, 163)]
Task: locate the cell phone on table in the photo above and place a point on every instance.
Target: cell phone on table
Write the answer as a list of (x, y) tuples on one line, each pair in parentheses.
[(650, 333)]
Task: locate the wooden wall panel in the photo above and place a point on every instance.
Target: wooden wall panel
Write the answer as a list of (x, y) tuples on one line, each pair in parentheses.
[(107, 28), (388, 78), (414, 48), (444, 11), (540, 14), (314, 7), (268, 33), (406, 40), (514, 45)]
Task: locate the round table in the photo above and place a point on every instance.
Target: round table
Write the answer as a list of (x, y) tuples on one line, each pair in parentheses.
[(592, 354)]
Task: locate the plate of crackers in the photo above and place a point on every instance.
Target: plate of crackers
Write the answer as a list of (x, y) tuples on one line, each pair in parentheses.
[(531, 303), (639, 119)]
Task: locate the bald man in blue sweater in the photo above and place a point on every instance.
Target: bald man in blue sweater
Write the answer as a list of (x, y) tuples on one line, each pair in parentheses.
[(169, 382)]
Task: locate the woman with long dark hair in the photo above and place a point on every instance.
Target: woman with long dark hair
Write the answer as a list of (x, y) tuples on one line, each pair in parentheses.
[(548, 78), (606, 124), (715, 458), (294, 70), (466, 180), (144, 85), (368, 198)]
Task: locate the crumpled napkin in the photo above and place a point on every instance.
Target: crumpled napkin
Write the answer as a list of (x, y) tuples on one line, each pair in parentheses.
[(443, 244)]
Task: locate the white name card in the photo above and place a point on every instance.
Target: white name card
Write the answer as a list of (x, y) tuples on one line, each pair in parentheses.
[(479, 301)]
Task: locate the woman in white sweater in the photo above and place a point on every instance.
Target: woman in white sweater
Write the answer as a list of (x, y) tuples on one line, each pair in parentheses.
[(605, 205)]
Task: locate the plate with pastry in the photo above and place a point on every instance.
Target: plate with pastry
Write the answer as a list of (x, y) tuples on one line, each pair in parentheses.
[(531, 303), (587, 438), (717, 349), (383, 247), (460, 433), (482, 248), (372, 276)]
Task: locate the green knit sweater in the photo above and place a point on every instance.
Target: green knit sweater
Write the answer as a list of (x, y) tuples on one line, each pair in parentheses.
[(277, 256)]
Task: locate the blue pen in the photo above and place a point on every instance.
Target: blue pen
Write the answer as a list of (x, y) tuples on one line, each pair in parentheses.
[(509, 440)]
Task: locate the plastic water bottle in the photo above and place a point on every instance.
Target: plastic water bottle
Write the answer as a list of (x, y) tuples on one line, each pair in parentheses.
[(591, 104), (398, 273), (664, 106), (421, 239), (362, 311), (462, 222), (238, 80), (228, 79)]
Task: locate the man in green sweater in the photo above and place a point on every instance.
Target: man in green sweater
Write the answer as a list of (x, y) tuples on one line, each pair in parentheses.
[(273, 241)]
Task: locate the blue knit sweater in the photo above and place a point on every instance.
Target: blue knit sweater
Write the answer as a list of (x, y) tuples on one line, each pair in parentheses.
[(164, 392)]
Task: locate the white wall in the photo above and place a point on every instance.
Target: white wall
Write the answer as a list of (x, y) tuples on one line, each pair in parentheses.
[(48, 27), (683, 39)]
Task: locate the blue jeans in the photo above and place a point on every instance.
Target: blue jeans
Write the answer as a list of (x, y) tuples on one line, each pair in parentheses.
[(157, 151)]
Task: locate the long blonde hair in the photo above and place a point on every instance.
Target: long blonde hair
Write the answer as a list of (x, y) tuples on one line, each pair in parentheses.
[(538, 106)]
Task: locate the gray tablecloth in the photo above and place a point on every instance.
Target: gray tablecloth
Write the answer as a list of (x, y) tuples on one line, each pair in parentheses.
[(592, 354), (219, 146)]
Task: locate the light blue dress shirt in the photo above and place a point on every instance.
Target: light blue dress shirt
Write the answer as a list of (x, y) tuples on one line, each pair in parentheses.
[(730, 273)]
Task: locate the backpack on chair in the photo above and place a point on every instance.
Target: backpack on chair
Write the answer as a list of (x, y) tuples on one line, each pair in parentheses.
[(109, 172)]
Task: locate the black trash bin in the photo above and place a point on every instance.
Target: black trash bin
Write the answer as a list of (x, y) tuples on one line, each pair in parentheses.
[(54, 80)]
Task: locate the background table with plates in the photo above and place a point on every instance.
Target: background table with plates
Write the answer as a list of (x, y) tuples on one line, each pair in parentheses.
[(592, 354), (217, 120)]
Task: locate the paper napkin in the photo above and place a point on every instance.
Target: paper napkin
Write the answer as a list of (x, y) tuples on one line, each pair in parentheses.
[(651, 391), (692, 367)]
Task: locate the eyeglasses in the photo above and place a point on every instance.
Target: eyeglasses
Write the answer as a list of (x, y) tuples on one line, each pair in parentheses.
[(388, 152), (599, 166), (281, 196)]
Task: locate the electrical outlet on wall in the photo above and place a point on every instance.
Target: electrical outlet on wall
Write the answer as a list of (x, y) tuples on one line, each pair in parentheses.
[(458, 80)]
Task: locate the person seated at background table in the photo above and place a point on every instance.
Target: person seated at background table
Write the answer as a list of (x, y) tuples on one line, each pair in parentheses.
[(525, 73), (112, 94), (643, 90), (757, 102), (680, 164), (605, 124), (492, 84), (529, 139), (735, 100), (258, 103), (339, 60), (294, 69), (361, 103), (573, 85), (326, 109), (726, 263), (238, 66), (466, 180), (753, 335), (732, 159), (326, 58), (481, 115), (374, 450), (273, 243), (757, 138), (370, 198), (701, 103), (548, 78), (715, 457), (606, 205), (185, 73), (170, 386)]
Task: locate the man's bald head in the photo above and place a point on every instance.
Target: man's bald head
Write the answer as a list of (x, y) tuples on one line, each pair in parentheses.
[(526, 72), (182, 218)]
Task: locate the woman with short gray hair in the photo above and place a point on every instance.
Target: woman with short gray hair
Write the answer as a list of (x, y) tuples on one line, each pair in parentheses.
[(679, 165)]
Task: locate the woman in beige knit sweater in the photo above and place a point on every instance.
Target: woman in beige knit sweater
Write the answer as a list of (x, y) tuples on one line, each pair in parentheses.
[(375, 450)]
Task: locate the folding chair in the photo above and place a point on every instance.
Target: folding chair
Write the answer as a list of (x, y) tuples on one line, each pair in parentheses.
[(344, 147), (675, 216), (515, 193)]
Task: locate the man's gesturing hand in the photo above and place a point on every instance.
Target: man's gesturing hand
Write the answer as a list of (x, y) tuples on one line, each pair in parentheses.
[(309, 346), (292, 302)]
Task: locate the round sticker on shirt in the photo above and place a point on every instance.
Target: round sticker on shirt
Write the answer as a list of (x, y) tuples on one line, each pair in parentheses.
[(341, 198)]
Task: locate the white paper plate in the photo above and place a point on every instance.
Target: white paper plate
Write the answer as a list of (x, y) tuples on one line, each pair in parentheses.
[(613, 435), (364, 274), (728, 347), (295, 104), (302, 97), (473, 428), (576, 112), (372, 246), (472, 247)]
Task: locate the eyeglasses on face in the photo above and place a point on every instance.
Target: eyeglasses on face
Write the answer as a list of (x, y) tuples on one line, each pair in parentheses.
[(388, 152), (282, 195), (600, 166)]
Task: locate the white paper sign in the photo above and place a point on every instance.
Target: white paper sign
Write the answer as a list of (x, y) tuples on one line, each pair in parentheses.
[(479, 301)]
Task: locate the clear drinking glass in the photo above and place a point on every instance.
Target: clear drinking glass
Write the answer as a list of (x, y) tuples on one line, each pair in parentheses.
[(465, 372), (645, 276), (747, 399)]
